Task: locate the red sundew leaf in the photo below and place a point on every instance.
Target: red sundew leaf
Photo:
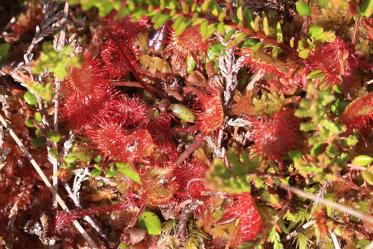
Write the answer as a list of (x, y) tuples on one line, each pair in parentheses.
[(359, 113), (275, 136), (158, 185), (78, 112), (189, 42), (118, 52), (63, 219), (117, 64), (260, 61), (208, 109), (161, 132), (250, 221), (118, 144), (85, 92), (124, 29), (336, 59), (190, 179), (81, 81), (126, 111), (282, 76)]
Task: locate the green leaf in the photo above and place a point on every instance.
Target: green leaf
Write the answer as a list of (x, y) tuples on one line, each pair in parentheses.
[(315, 31), (315, 74), (30, 98), (367, 176), (366, 8), (352, 140), (4, 51), (332, 127), (180, 24), (150, 221), (191, 63), (250, 43), (160, 19), (304, 53), (214, 51), (362, 160), (96, 171), (29, 123), (54, 136), (279, 35), (111, 172), (274, 237), (265, 26), (240, 13), (128, 171), (45, 92), (38, 142), (205, 5), (183, 113), (56, 62), (204, 28), (232, 179), (302, 241), (303, 8), (38, 117)]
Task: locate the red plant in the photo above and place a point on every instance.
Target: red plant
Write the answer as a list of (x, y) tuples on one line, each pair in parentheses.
[(158, 185), (118, 144), (260, 61), (84, 91), (208, 109), (243, 208), (283, 76), (190, 178), (338, 60), (117, 62), (359, 113), (160, 129), (126, 111), (190, 42), (275, 136), (118, 52), (62, 220)]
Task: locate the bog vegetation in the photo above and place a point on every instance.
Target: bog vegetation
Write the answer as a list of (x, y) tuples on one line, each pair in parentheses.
[(186, 124)]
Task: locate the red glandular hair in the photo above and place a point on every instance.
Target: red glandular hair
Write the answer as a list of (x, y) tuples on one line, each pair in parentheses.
[(337, 59), (61, 224), (84, 91), (125, 111), (359, 113), (275, 136), (119, 144), (242, 207), (281, 75), (190, 177), (190, 42), (159, 186), (160, 129), (208, 109), (118, 51)]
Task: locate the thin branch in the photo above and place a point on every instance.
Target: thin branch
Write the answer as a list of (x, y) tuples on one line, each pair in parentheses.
[(335, 240), (337, 206), (194, 146), (45, 180), (305, 226)]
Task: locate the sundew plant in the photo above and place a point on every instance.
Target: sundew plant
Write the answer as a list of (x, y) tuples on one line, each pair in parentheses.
[(153, 124)]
